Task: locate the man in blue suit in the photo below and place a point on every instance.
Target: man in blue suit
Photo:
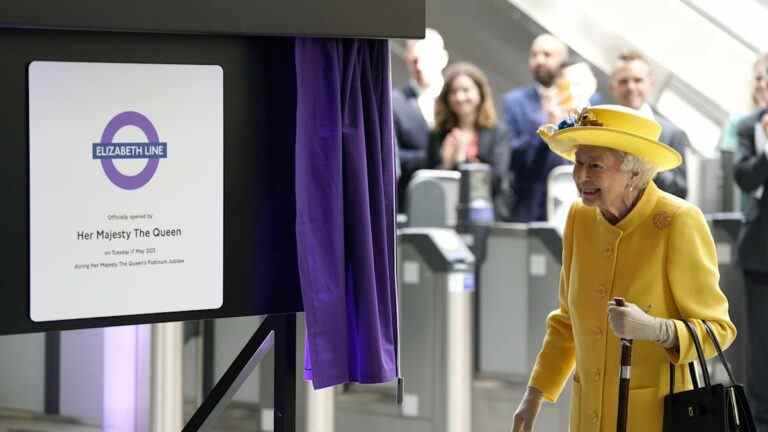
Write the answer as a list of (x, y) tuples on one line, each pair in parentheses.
[(525, 109)]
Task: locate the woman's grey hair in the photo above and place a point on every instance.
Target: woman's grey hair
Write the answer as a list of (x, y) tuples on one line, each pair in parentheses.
[(637, 165)]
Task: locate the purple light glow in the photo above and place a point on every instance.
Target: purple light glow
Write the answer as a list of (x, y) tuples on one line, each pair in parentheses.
[(126, 376)]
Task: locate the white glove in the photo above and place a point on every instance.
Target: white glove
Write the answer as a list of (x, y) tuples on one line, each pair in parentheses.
[(630, 322), (526, 413)]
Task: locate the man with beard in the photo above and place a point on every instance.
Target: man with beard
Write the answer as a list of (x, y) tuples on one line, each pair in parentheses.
[(525, 109)]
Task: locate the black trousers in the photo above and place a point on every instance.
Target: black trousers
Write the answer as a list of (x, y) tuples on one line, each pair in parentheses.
[(756, 290)]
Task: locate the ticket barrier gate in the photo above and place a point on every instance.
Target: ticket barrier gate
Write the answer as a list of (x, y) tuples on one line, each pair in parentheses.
[(432, 198), (725, 229), (520, 279), (436, 272)]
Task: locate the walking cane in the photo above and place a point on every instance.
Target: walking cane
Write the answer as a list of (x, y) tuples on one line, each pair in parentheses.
[(626, 363)]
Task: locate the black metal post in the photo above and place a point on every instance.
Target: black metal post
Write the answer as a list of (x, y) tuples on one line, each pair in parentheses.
[(209, 341), (52, 372), (279, 328), (285, 373)]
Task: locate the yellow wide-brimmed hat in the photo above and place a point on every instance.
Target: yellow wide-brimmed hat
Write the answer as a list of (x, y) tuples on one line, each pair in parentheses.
[(611, 126)]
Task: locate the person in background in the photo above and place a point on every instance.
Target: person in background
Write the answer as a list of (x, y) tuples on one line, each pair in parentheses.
[(525, 108), (751, 175), (729, 141), (625, 238), (466, 129), (759, 99), (760, 83), (413, 106), (631, 84), (577, 84)]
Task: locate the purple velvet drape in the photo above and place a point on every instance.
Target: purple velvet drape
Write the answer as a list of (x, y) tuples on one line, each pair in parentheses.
[(345, 215)]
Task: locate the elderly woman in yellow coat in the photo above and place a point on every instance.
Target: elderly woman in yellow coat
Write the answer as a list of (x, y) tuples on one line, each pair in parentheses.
[(626, 238)]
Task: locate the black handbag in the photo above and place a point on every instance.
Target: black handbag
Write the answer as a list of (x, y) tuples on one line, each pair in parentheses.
[(711, 408)]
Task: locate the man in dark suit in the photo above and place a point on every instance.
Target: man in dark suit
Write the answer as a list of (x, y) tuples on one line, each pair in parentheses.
[(525, 109), (751, 174), (631, 84), (413, 105)]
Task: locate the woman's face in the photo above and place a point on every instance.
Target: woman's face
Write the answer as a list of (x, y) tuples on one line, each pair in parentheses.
[(600, 180), (464, 96)]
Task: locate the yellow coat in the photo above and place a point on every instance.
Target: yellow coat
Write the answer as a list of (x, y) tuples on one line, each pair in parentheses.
[(661, 256)]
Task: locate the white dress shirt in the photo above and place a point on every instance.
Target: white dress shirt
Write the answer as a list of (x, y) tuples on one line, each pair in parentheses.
[(761, 146)]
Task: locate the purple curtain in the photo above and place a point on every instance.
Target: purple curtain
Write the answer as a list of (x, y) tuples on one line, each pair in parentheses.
[(345, 215)]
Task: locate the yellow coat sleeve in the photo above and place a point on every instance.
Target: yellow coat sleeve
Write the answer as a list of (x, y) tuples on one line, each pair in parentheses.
[(557, 357), (694, 282)]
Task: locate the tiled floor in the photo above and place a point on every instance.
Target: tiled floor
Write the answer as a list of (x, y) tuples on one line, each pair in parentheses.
[(238, 417), (20, 421), (494, 405), (42, 426)]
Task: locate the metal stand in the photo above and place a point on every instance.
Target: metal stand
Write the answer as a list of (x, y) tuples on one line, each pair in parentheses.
[(279, 330)]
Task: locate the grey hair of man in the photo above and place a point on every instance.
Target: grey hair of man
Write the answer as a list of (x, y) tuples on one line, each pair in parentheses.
[(630, 163)]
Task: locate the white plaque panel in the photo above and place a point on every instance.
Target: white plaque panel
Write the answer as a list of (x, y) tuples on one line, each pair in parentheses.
[(126, 189)]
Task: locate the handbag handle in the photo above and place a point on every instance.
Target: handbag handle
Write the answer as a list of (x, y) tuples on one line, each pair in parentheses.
[(699, 353), (720, 354), (691, 368), (691, 371)]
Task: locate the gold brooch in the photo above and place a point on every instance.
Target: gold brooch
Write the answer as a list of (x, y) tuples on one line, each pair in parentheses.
[(662, 220), (588, 118)]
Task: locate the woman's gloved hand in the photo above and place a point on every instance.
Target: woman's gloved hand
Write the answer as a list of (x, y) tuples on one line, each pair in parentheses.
[(526, 413), (631, 322)]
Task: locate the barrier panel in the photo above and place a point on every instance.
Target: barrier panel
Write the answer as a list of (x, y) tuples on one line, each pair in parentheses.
[(437, 287)]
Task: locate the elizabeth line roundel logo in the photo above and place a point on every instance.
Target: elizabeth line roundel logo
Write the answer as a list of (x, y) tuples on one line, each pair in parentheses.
[(152, 151)]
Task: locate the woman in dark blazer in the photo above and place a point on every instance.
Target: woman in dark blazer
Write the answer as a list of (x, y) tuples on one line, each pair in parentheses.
[(466, 129)]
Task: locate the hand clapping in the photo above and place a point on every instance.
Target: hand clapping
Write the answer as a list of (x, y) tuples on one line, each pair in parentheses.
[(454, 148)]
